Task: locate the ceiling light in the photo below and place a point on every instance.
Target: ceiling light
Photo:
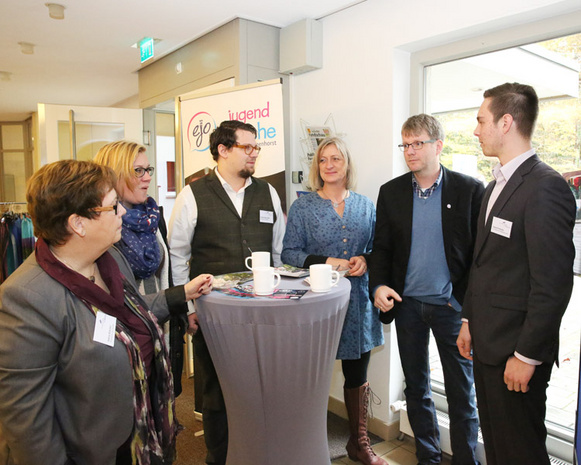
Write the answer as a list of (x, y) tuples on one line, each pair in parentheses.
[(56, 11), (5, 76), (26, 48)]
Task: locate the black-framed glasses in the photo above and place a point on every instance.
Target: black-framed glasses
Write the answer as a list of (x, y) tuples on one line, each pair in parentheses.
[(417, 145), (140, 172), (108, 208), (248, 148)]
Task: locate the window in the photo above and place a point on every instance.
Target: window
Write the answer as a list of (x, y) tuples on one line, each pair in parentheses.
[(453, 93)]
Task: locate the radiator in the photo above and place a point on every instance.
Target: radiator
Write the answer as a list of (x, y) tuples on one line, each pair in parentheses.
[(444, 424)]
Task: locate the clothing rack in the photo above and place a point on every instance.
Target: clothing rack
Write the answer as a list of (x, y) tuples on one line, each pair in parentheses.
[(16, 237), (19, 207)]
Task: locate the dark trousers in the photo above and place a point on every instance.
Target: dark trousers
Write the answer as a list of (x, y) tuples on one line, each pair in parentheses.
[(413, 323), (213, 407), (513, 423)]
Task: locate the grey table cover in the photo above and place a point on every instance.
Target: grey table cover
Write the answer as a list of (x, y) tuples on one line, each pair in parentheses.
[(274, 359)]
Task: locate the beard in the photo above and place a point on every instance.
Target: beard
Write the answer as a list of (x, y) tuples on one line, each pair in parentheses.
[(246, 173)]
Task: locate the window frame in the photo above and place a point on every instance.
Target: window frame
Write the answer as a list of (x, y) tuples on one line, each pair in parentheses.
[(560, 440)]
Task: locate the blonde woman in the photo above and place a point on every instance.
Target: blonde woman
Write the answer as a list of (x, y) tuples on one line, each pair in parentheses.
[(335, 225), (144, 240)]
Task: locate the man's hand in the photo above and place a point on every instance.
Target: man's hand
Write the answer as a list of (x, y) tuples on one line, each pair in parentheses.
[(464, 341), (384, 298), (192, 324), (517, 374)]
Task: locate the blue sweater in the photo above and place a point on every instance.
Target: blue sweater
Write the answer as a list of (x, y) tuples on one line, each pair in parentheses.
[(428, 277)]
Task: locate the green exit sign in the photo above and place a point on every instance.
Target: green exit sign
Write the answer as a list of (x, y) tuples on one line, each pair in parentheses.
[(146, 49)]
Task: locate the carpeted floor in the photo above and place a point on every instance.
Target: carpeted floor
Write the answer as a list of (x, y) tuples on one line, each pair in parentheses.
[(338, 435), (191, 449)]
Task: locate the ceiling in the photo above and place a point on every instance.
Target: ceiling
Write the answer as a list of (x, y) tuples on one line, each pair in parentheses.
[(87, 58)]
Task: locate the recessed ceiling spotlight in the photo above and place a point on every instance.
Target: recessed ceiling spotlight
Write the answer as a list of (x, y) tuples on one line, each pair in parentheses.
[(56, 11), (26, 48), (477, 89)]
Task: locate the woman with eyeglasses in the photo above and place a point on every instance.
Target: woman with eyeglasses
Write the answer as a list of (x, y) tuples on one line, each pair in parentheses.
[(84, 370), (144, 241)]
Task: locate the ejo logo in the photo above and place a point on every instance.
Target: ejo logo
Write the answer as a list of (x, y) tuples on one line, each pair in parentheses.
[(199, 129)]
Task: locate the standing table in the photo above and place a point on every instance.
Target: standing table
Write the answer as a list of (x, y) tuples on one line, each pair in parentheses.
[(274, 359)]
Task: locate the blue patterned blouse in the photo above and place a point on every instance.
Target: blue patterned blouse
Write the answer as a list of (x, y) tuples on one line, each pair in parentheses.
[(315, 228)]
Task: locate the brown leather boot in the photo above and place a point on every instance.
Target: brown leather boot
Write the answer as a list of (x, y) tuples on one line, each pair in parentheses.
[(358, 447)]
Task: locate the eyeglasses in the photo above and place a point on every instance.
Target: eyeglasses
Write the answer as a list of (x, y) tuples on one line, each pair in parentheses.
[(108, 208), (140, 172), (415, 145), (248, 148)]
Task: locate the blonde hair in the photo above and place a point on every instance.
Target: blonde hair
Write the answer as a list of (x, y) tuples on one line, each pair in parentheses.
[(120, 156), (315, 180)]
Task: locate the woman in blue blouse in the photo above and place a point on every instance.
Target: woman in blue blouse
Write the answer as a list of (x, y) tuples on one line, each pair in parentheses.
[(335, 225)]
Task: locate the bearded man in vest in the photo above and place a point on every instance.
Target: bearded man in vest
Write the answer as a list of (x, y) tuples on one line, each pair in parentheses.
[(215, 224)]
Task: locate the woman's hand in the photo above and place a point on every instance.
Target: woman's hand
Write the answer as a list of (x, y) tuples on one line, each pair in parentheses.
[(338, 264), (198, 286), (357, 266)]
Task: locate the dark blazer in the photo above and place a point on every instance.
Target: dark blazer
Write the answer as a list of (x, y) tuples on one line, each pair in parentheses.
[(461, 199), (520, 286), (178, 321)]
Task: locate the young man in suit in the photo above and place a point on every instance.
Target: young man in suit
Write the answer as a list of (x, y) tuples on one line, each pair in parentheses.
[(418, 272), (520, 282)]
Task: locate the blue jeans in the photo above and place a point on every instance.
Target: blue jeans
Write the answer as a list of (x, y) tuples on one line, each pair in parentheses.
[(413, 323)]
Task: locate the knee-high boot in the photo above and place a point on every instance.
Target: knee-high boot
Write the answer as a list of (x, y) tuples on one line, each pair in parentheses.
[(358, 447)]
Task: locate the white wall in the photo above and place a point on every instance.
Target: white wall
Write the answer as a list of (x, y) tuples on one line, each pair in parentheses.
[(365, 84), (49, 116)]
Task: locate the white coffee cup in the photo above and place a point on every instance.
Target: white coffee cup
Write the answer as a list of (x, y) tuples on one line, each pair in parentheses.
[(323, 277), (265, 280), (258, 259)]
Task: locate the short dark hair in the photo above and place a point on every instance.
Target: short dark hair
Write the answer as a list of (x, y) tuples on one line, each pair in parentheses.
[(518, 100), (66, 187), (414, 125), (225, 135)]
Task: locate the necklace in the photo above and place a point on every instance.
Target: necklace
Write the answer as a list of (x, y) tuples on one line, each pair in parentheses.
[(90, 278), (336, 204)]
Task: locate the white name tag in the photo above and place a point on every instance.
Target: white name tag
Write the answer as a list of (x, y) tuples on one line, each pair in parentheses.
[(104, 328), (501, 227), (266, 217)]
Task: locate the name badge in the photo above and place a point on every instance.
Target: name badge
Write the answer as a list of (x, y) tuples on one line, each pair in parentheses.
[(266, 217), (501, 227), (105, 329)]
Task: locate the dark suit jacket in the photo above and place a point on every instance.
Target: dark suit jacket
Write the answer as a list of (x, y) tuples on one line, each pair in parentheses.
[(520, 286), (461, 199)]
